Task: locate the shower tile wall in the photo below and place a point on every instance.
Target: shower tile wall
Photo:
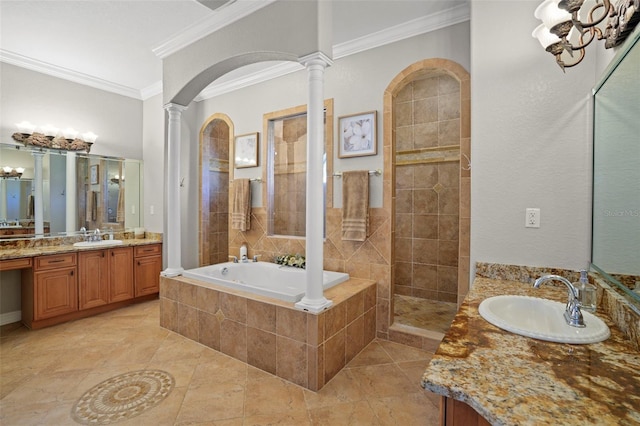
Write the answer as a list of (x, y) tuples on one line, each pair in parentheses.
[(215, 192), (427, 191)]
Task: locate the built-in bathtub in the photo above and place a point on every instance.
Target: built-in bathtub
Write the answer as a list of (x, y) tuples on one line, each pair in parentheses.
[(270, 334), (263, 278)]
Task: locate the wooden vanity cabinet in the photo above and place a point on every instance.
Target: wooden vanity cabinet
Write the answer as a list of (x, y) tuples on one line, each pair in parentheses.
[(93, 271), (67, 286), (51, 288), (457, 413), (147, 267), (120, 274)]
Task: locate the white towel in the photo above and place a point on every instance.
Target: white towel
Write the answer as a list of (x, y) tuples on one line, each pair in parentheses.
[(241, 214)]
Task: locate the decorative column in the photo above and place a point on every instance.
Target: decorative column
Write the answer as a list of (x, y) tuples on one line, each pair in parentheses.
[(172, 234), (314, 300), (38, 202), (71, 200)]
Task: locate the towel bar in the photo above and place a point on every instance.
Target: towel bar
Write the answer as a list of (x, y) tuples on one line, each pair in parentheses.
[(250, 180), (376, 172)]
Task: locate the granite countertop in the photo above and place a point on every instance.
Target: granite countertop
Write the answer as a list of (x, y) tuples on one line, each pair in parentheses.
[(515, 380), (17, 252)]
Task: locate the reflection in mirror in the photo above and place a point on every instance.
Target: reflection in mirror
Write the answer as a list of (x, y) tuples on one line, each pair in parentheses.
[(286, 169), (111, 202), (616, 173)]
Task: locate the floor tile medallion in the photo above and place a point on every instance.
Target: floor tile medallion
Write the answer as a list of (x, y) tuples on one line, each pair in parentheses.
[(122, 397)]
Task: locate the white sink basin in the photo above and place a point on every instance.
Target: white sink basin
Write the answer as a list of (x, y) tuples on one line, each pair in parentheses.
[(541, 319), (96, 244)]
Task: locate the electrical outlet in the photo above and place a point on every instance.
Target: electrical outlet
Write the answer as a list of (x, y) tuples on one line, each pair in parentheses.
[(532, 218), (152, 210)]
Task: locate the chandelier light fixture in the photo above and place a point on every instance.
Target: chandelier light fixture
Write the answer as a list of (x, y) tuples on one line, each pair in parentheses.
[(562, 29), (8, 172), (51, 137)]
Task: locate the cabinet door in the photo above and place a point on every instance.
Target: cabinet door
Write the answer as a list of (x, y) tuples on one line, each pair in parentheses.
[(56, 292), (120, 274), (147, 275), (93, 271)]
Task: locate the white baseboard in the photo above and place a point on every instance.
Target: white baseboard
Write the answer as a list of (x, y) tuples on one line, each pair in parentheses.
[(10, 317)]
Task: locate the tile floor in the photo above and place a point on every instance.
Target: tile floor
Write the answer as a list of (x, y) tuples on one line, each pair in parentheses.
[(44, 372), (423, 313)]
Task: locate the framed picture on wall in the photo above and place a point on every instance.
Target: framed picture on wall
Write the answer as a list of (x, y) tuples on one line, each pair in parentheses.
[(246, 150), (357, 135), (93, 175)]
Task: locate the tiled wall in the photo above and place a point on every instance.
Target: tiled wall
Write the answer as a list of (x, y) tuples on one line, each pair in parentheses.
[(427, 150), (304, 348), (214, 209)]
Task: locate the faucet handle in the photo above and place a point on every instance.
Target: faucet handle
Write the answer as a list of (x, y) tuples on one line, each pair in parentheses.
[(235, 258), (256, 256)]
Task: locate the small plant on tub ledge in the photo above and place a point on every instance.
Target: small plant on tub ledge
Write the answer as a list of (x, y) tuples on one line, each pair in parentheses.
[(294, 260)]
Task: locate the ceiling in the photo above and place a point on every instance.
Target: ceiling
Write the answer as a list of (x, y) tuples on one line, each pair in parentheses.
[(118, 45)]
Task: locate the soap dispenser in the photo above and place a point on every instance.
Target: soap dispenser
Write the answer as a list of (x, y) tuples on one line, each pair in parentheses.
[(587, 293)]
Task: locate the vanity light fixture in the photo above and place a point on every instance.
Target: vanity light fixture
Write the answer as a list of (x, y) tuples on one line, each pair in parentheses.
[(49, 138), (561, 23), (9, 172)]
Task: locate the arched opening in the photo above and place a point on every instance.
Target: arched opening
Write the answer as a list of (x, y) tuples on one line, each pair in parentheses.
[(216, 135), (429, 108)]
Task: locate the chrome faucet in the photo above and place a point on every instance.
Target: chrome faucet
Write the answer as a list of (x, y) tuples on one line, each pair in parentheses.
[(572, 313), (85, 235), (96, 235)]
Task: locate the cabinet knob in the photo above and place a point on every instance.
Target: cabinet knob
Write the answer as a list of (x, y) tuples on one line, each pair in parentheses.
[(138, 263), (71, 273)]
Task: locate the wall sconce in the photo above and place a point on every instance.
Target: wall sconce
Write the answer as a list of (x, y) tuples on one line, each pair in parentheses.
[(9, 172), (561, 20), (48, 138)]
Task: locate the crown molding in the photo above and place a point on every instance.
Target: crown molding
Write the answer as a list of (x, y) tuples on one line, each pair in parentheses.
[(67, 74), (226, 15), (423, 25), (220, 19)]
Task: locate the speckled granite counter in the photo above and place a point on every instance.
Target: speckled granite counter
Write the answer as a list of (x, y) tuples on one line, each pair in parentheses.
[(515, 380), (33, 247)]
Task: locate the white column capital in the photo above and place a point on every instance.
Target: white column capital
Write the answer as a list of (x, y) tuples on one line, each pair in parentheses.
[(171, 107), (317, 58)]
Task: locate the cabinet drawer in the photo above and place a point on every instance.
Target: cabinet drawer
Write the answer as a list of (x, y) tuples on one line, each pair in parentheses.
[(8, 265), (55, 261), (148, 250)]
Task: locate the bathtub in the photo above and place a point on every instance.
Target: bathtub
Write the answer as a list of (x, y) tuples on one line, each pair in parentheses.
[(262, 278)]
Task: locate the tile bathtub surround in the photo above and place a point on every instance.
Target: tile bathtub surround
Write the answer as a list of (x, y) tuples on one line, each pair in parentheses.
[(609, 300), (44, 372), (304, 348), (511, 379)]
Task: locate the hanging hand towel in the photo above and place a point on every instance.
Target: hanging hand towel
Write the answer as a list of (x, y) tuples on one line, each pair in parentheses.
[(30, 207), (241, 214), (355, 205), (91, 211), (120, 212)]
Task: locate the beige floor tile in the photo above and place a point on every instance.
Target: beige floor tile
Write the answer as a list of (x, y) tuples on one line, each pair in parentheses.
[(355, 414), (384, 380), (44, 372), (407, 410), (400, 353), (273, 395), (343, 388), (373, 354)]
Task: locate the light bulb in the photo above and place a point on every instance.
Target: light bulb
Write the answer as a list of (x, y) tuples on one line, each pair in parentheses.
[(25, 127), (89, 137), (70, 133)]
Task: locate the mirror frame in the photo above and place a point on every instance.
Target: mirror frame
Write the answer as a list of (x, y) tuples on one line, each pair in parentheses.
[(632, 42), (268, 162)]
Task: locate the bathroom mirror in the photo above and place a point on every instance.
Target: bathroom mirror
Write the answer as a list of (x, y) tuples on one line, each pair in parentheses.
[(286, 167), (616, 170), (117, 203)]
